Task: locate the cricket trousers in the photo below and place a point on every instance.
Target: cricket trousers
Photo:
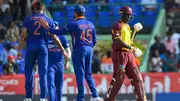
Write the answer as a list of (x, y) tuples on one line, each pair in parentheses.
[(124, 64), (55, 80), (82, 58), (33, 53)]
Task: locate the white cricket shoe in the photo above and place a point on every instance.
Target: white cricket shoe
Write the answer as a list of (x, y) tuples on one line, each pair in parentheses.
[(43, 100), (96, 99), (27, 99)]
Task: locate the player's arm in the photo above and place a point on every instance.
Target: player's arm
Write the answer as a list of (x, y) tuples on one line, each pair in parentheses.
[(58, 43), (58, 32), (66, 65), (66, 46), (21, 41), (116, 36), (94, 37), (68, 51)]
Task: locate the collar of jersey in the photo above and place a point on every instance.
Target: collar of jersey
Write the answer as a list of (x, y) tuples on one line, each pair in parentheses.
[(122, 22), (81, 17)]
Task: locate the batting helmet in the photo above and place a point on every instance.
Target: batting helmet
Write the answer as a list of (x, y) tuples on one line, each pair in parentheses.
[(126, 14), (126, 10)]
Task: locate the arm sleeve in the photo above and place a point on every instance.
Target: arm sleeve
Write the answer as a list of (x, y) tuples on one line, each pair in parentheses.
[(62, 31), (116, 31), (64, 42)]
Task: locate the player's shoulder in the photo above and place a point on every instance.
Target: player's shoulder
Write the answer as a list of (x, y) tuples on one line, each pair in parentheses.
[(28, 17), (118, 24), (47, 18), (90, 23)]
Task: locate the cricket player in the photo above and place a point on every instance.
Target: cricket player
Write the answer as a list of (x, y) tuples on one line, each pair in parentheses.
[(36, 49), (83, 40), (123, 58), (56, 65)]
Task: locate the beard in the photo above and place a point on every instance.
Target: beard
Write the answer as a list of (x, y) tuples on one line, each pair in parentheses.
[(126, 18)]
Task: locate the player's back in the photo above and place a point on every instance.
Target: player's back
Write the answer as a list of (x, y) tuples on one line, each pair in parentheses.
[(36, 33), (55, 54), (84, 33)]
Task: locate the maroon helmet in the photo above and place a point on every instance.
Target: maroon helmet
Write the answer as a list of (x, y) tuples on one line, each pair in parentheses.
[(126, 10), (126, 14)]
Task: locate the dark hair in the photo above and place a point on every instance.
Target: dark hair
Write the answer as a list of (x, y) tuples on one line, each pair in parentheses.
[(7, 46), (156, 37), (80, 14)]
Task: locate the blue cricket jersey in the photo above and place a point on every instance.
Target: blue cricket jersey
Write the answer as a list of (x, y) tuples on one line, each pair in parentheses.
[(82, 31), (55, 54), (36, 33)]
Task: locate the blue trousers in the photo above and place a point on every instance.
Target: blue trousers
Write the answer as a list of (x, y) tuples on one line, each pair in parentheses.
[(55, 80), (82, 58), (33, 53)]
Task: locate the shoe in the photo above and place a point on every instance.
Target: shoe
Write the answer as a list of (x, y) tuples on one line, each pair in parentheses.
[(43, 100), (27, 99), (96, 99)]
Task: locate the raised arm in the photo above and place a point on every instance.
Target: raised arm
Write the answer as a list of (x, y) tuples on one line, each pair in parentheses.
[(60, 31)]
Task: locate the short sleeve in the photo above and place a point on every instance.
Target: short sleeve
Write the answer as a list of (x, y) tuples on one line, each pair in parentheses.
[(116, 31)]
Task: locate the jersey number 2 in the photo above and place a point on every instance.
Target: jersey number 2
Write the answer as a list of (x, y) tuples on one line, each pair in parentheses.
[(36, 31), (86, 35)]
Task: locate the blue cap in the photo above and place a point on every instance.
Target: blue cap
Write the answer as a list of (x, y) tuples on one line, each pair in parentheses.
[(79, 9)]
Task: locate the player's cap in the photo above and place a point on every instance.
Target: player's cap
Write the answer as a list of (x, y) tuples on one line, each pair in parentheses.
[(79, 9), (10, 57), (126, 10)]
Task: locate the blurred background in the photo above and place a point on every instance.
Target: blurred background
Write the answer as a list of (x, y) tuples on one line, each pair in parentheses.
[(159, 40)]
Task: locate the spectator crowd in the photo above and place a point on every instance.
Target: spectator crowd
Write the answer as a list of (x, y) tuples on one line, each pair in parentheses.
[(10, 14), (165, 54)]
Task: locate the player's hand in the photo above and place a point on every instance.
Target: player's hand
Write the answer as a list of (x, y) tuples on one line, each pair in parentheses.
[(44, 23), (137, 52), (66, 65), (138, 27), (19, 56)]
